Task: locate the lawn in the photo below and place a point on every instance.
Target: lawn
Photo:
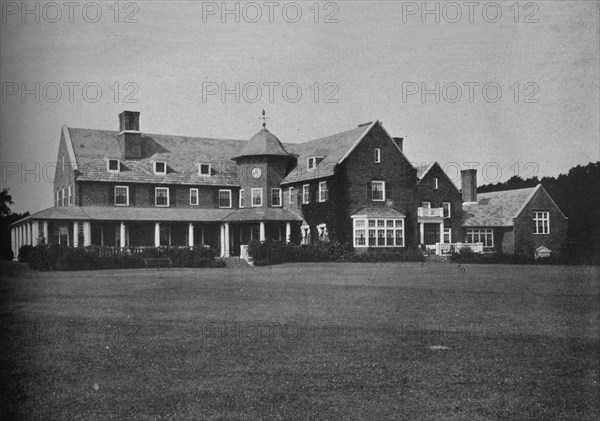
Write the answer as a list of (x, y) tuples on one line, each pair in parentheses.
[(384, 341)]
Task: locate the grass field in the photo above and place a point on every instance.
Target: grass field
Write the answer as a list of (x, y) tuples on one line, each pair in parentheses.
[(394, 341)]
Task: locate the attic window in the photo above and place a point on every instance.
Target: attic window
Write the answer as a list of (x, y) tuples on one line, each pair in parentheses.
[(160, 167), (113, 165), (436, 183), (204, 169)]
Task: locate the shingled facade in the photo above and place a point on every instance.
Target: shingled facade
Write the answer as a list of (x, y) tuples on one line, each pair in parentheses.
[(126, 189)]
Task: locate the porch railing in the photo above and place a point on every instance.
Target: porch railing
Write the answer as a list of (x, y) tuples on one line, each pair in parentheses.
[(430, 212)]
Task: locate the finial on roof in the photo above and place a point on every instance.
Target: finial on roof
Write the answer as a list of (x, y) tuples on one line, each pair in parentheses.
[(264, 119)]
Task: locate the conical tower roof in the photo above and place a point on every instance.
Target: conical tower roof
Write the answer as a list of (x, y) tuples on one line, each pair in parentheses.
[(263, 143)]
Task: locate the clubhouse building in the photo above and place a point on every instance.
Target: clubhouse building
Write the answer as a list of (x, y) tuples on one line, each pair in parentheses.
[(127, 189)]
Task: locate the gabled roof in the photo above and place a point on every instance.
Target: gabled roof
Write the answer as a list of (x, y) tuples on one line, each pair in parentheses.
[(497, 209), (263, 143), (378, 212), (424, 174), (334, 149)]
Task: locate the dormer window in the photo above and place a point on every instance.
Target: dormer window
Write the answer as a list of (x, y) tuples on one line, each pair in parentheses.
[(204, 170), (311, 163), (113, 165), (160, 167)]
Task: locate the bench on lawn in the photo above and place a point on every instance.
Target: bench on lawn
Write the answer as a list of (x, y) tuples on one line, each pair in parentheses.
[(158, 262)]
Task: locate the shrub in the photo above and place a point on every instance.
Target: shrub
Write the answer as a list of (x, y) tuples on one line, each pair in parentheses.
[(24, 253)]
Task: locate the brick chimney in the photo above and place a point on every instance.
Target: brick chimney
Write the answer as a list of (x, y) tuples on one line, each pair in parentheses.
[(398, 141), (469, 185), (130, 137)]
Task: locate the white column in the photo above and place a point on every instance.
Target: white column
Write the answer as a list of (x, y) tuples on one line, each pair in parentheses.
[(76, 234), (28, 232), (422, 232), (262, 231), (191, 235), (226, 228), (222, 239), (122, 235), (35, 229), (87, 234), (157, 234), (46, 232), (441, 232), (13, 242), (18, 237), (288, 232)]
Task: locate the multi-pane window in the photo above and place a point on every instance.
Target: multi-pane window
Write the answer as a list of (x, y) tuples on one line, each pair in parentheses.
[(541, 222), (121, 196), (57, 198), (378, 191), (160, 168), (290, 195), (377, 155), (305, 194), (323, 192), (311, 163), (481, 235), (113, 165), (374, 232), (204, 169), (242, 198), (194, 197), (161, 196), (426, 205), (257, 197), (275, 197), (446, 206), (63, 197), (70, 192), (447, 235), (224, 198)]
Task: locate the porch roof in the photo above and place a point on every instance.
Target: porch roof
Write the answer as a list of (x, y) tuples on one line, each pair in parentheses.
[(261, 214), (128, 214), (379, 212)]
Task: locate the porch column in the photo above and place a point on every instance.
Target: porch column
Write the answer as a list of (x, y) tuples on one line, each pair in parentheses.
[(157, 234), (13, 242), (46, 239), (35, 230), (17, 239), (262, 231), (76, 234), (442, 232), (226, 229), (28, 232), (422, 233), (222, 240), (288, 232), (122, 235), (191, 235), (87, 234)]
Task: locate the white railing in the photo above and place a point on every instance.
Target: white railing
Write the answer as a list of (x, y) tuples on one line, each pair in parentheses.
[(431, 212), (447, 248)]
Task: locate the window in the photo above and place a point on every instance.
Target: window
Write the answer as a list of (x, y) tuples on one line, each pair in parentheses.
[(224, 198), (481, 235), (121, 196), (63, 197), (378, 191), (447, 235), (194, 197), (160, 168), (426, 205), (256, 197), (70, 191), (242, 198), (57, 198), (446, 206), (161, 196), (204, 169), (305, 193), (436, 183), (386, 232), (311, 163), (541, 222), (275, 197), (377, 155), (63, 163), (113, 165), (323, 193), (290, 195)]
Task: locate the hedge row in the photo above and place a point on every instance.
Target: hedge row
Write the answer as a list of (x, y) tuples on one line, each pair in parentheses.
[(268, 253), (54, 257)]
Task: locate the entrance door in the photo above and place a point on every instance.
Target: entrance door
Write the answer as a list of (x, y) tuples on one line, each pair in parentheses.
[(432, 234)]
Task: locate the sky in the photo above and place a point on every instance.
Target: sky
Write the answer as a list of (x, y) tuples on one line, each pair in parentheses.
[(509, 88)]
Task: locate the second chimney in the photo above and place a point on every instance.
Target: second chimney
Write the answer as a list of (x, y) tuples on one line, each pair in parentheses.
[(469, 185), (130, 137), (399, 141)]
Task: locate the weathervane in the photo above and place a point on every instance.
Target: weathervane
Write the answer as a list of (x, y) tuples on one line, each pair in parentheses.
[(264, 119)]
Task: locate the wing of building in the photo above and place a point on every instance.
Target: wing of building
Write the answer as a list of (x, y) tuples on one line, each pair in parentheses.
[(127, 188)]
